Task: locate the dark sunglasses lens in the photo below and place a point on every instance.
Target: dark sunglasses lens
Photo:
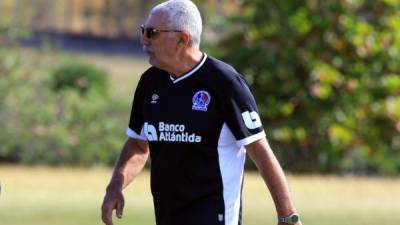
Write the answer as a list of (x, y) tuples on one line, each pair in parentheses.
[(150, 33), (145, 31)]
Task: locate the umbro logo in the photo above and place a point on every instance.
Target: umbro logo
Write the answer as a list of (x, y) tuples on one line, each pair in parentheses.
[(154, 98)]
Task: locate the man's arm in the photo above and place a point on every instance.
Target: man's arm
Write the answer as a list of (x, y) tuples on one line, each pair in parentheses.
[(131, 161), (268, 166)]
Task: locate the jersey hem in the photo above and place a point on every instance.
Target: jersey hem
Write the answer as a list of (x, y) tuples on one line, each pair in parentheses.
[(132, 134), (250, 139)]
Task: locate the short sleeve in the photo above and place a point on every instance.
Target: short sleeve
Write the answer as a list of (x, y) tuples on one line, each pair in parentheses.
[(241, 113), (135, 127)]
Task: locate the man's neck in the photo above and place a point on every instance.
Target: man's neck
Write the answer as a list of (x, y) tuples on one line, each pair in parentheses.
[(185, 63)]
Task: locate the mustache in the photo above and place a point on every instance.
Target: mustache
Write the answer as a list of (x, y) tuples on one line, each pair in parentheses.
[(147, 50)]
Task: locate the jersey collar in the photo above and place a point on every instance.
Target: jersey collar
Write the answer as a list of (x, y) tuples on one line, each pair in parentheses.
[(192, 71)]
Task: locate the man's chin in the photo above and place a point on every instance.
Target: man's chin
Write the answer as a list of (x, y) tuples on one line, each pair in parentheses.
[(152, 61)]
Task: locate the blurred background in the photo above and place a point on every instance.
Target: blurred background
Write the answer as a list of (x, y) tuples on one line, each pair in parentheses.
[(326, 76)]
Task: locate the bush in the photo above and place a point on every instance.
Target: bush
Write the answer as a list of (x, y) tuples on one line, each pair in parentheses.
[(80, 77), (41, 125), (326, 77)]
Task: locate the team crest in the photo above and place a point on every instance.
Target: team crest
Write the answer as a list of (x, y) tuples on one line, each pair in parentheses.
[(201, 100)]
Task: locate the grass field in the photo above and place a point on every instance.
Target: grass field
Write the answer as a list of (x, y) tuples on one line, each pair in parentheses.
[(72, 196)]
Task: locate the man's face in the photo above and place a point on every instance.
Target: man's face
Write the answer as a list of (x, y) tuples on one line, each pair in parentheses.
[(162, 47)]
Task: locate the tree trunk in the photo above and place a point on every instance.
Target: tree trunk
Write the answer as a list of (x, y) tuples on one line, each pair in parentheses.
[(68, 8), (87, 15), (120, 17), (50, 20), (142, 12), (105, 19), (17, 13), (219, 8)]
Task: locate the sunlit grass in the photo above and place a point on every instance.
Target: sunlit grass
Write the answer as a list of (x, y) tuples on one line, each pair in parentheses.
[(40, 196), (71, 196)]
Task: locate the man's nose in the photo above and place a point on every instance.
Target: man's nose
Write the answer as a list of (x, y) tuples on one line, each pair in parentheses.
[(144, 40)]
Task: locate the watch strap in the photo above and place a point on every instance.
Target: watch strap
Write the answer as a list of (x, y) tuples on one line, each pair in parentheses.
[(291, 219)]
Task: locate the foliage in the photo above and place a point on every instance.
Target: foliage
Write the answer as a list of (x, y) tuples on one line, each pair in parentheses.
[(326, 75), (43, 125), (79, 76)]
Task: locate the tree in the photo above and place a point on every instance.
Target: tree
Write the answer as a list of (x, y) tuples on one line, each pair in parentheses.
[(326, 75)]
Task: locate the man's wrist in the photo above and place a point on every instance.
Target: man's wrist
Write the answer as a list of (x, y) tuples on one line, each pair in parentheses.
[(114, 185), (293, 218)]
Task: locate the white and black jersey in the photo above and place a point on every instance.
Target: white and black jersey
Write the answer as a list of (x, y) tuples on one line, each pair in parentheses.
[(197, 126)]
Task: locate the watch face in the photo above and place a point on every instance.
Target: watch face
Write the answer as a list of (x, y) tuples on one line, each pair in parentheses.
[(294, 219)]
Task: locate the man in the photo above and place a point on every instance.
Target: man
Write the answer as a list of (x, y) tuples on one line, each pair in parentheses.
[(197, 118)]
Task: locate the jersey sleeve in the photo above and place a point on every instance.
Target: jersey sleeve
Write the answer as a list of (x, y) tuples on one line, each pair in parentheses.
[(241, 113), (135, 127)]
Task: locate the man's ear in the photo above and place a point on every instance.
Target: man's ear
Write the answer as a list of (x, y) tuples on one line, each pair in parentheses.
[(184, 38)]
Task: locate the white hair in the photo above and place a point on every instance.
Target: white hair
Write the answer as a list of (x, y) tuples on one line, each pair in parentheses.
[(182, 15)]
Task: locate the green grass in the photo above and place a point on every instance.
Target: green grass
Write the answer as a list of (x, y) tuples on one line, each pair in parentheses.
[(71, 196)]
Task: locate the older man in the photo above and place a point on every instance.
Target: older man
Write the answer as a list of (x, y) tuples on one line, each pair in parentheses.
[(197, 118)]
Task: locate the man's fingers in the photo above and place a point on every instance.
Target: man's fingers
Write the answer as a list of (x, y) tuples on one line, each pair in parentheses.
[(107, 218), (106, 214), (120, 208), (111, 202)]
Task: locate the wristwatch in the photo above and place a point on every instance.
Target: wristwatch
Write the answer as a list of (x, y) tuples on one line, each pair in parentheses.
[(291, 219)]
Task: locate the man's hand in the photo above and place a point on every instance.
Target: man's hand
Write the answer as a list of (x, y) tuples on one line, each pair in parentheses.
[(130, 162), (114, 199)]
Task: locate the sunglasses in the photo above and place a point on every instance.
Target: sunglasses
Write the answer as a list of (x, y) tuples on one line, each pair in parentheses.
[(150, 32)]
